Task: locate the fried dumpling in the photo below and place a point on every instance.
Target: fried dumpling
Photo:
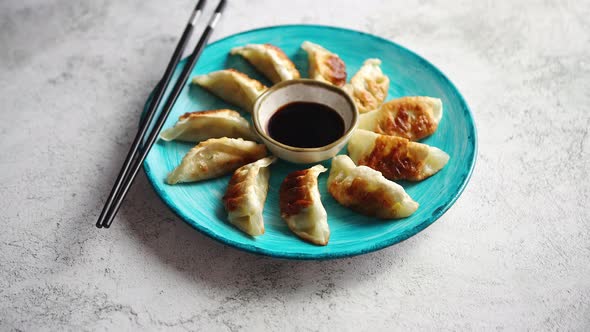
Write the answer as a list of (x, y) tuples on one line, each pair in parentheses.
[(301, 206), (245, 196), (368, 87), (410, 117), (215, 157), (367, 191), (395, 157), (200, 126), (324, 65), (269, 60), (232, 86)]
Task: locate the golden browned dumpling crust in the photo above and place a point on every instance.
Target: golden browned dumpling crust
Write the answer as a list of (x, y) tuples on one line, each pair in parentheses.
[(245, 196), (358, 197), (324, 65), (294, 194), (395, 157), (301, 205), (336, 72), (367, 191), (413, 118), (235, 194), (394, 160)]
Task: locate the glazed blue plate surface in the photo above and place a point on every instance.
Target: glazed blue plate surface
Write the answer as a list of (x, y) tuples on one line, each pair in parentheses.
[(200, 205)]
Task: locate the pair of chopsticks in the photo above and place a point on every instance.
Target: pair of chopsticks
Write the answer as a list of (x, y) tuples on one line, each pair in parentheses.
[(138, 152)]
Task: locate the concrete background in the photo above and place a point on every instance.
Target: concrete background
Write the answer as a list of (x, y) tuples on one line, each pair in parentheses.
[(512, 254)]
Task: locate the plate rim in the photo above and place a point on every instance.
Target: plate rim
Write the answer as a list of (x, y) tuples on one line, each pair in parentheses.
[(328, 255)]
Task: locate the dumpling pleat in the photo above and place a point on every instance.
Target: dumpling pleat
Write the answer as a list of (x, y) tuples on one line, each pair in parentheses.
[(324, 65), (215, 157), (269, 60), (200, 126), (301, 205), (368, 87), (232, 86), (245, 196)]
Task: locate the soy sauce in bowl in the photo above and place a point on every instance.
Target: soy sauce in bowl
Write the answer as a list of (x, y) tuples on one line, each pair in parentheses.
[(306, 125)]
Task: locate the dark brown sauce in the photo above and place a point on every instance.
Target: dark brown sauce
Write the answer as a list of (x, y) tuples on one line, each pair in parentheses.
[(306, 125)]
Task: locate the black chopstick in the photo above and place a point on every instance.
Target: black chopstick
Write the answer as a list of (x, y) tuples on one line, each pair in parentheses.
[(124, 182), (156, 99)]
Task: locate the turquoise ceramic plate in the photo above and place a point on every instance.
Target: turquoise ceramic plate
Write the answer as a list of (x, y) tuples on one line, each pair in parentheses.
[(199, 204)]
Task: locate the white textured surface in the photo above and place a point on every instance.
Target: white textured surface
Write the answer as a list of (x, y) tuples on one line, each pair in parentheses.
[(513, 253)]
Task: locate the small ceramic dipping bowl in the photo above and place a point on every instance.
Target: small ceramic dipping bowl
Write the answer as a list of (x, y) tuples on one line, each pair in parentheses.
[(303, 90)]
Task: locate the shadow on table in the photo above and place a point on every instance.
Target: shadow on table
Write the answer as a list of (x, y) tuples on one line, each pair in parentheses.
[(204, 260)]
